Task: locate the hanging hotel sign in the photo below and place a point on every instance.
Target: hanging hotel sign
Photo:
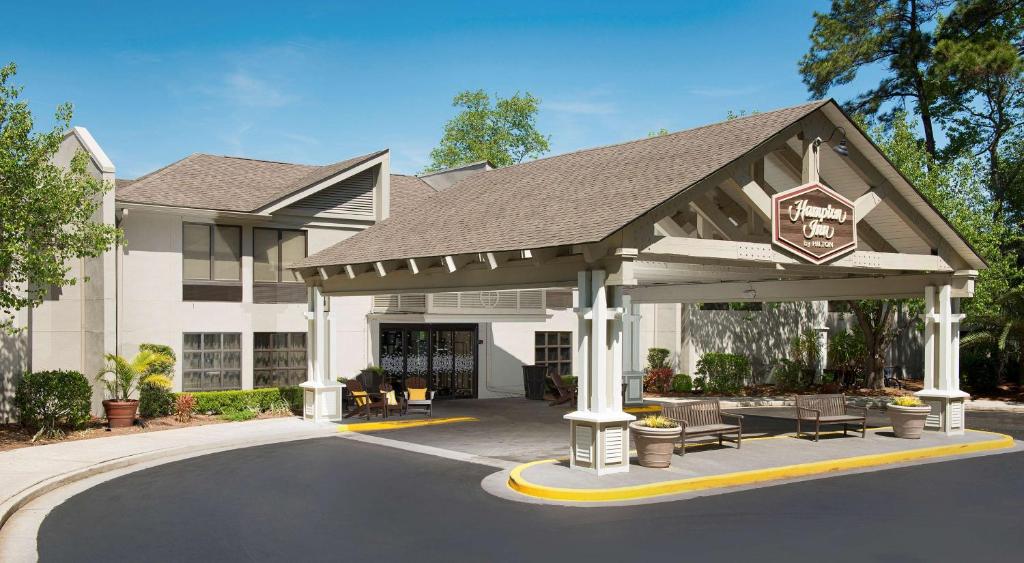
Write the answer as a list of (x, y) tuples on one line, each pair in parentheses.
[(814, 222)]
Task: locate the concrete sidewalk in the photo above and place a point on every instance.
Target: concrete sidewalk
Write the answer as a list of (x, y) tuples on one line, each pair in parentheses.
[(977, 405), (761, 460), (27, 473)]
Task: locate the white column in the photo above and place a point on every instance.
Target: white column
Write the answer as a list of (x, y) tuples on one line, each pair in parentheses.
[(598, 430), (321, 395), (942, 358), (821, 329), (631, 374), (582, 308)]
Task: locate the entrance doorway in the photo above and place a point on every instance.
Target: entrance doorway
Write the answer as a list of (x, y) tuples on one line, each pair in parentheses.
[(445, 355)]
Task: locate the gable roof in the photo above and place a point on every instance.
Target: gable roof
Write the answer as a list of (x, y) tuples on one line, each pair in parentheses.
[(227, 183), (575, 198), (408, 192)]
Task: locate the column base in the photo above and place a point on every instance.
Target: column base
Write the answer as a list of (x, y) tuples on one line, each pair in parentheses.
[(599, 442), (947, 414), (321, 402)]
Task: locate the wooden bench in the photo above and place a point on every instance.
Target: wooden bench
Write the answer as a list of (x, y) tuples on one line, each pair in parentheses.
[(703, 418), (828, 409)]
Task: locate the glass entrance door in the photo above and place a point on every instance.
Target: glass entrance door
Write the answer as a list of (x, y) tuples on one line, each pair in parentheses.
[(443, 354)]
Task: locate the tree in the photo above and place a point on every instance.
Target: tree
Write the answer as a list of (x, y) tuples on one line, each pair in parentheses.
[(979, 75), (503, 132), (955, 188), (857, 34), (46, 212)]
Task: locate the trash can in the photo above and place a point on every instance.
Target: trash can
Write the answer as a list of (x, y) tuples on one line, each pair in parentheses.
[(533, 381)]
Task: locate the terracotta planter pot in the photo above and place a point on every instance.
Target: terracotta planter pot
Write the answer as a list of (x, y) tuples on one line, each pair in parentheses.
[(654, 446), (120, 414), (908, 422)]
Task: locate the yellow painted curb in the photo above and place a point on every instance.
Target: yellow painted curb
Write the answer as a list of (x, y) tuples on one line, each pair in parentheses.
[(520, 484), (651, 408), (402, 424)]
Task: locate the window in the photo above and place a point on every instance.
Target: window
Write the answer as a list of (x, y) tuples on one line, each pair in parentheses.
[(273, 250), (212, 361), (211, 257), (554, 350), (279, 359)]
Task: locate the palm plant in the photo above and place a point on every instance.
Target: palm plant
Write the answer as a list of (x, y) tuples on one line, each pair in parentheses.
[(1002, 330), (122, 377)]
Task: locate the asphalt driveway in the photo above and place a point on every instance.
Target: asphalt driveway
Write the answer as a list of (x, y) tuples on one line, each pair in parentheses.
[(338, 500)]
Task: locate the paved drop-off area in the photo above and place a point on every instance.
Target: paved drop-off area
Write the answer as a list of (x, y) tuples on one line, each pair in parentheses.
[(334, 499), (755, 454)]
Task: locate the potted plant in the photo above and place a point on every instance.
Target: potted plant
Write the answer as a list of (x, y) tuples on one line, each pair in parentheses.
[(655, 438), (121, 377), (908, 414)]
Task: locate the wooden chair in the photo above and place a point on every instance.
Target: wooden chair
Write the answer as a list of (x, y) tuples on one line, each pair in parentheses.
[(393, 401), (703, 418), (566, 393), (364, 402), (828, 409), (417, 396)]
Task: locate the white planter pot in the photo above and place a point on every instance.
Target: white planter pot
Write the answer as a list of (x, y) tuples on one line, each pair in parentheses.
[(908, 422)]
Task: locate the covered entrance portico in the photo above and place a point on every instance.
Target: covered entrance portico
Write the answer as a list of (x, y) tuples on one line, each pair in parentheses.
[(708, 215)]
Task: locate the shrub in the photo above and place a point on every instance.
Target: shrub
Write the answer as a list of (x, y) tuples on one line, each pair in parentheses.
[(682, 383), (53, 400), (658, 421), (700, 384), (657, 358), (240, 415), (293, 396), (184, 407), (658, 380), (790, 376), (725, 373), (221, 402), (155, 397), (163, 365), (979, 368)]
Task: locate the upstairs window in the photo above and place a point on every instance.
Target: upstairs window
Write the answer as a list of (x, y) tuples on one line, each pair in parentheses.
[(211, 262), (273, 250)]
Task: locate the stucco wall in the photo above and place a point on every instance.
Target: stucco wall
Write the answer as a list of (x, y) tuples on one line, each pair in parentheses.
[(151, 308), (76, 330)]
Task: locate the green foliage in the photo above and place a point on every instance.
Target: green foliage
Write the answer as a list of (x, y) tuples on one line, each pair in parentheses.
[(790, 376), (700, 383), (502, 132), (121, 377), (657, 358), (240, 415), (163, 366), (155, 398), (682, 383), (46, 212), (804, 349), (725, 373), (223, 402), (52, 401), (846, 352)]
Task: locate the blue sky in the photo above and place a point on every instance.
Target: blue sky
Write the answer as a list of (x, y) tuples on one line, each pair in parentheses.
[(317, 83)]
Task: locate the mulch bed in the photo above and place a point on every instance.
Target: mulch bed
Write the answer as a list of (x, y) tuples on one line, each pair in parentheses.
[(13, 436)]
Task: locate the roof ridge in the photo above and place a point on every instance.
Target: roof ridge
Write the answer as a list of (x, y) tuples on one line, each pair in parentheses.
[(672, 134), (260, 160)]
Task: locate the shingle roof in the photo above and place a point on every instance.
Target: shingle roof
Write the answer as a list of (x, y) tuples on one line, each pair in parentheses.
[(407, 192), (225, 183), (573, 198)]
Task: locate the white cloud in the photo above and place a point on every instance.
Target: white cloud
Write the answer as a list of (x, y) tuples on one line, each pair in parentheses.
[(244, 89)]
